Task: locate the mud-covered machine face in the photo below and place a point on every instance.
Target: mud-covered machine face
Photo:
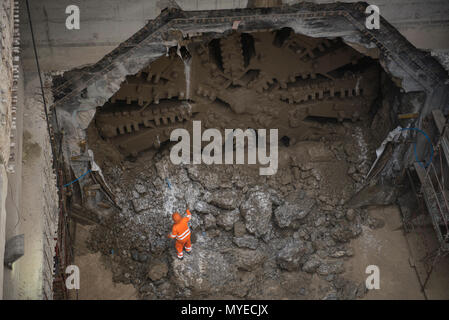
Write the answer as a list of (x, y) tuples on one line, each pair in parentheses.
[(274, 79)]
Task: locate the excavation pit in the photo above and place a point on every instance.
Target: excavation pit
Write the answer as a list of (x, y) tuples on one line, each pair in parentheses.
[(289, 232), (332, 91)]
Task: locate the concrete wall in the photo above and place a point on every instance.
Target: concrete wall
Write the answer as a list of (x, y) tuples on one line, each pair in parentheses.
[(14, 197), (3, 192), (424, 23), (28, 198), (32, 202), (6, 76), (106, 23)]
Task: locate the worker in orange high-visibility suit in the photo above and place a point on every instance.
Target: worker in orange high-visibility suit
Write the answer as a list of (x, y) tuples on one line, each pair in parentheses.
[(181, 233)]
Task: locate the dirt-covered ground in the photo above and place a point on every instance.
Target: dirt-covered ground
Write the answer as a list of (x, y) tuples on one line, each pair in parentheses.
[(280, 236)]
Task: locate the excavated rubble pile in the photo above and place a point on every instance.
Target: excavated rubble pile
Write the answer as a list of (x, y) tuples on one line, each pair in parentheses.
[(281, 236)]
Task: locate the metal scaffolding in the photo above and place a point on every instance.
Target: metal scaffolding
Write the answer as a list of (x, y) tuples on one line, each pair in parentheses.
[(434, 190)]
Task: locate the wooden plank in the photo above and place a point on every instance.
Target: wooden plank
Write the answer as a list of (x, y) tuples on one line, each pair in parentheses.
[(408, 115)]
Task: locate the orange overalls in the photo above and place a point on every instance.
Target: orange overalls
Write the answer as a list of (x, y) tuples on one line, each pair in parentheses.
[(181, 232)]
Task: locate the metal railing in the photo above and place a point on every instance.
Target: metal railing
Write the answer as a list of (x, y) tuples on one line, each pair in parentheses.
[(440, 217)]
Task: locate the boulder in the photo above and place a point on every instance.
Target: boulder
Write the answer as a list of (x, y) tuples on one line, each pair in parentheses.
[(135, 194), (204, 207), (195, 222), (239, 229), (350, 214), (289, 212), (227, 199), (209, 221), (204, 271), (248, 260), (311, 264), (157, 270), (148, 290), (292, 256), (160, 244), (165, 291), (343, 232), (330, 268), (141, 203), (285, 177), (209, 179), (257, 210), (140, 188), (192, 194), (275, 198), (162, 167), (227, 219), (246, 241)]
